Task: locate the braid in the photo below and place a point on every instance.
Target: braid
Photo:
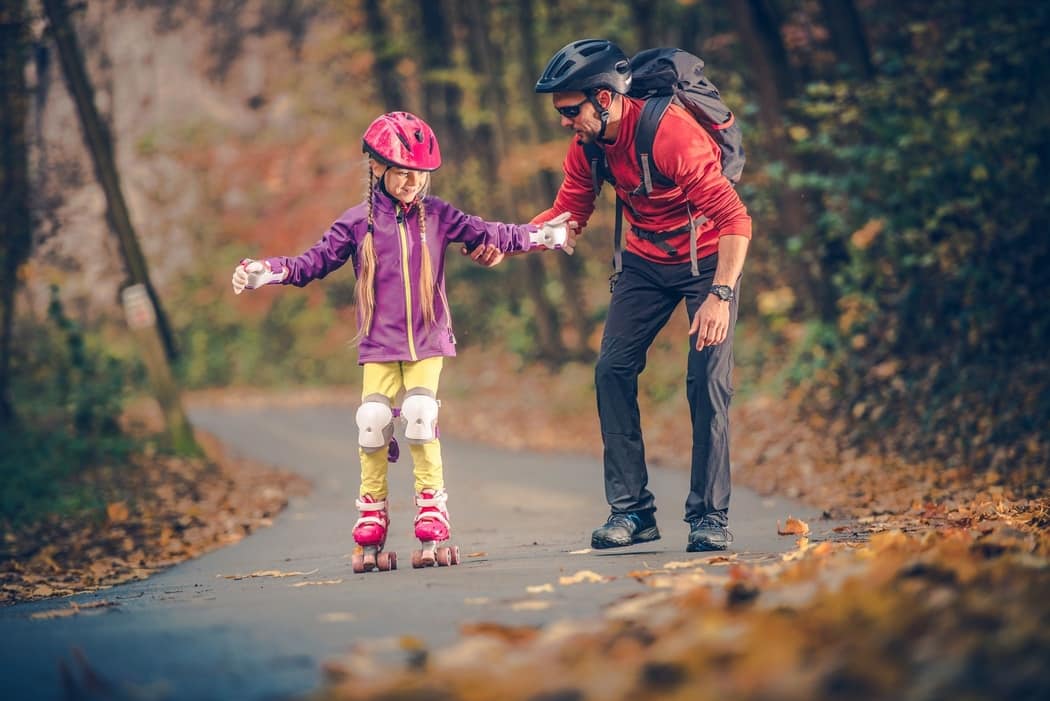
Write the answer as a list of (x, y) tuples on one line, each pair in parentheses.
[(364, 290), (426, 270)]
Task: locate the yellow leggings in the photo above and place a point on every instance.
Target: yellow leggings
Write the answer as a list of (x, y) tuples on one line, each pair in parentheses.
[(388, 379)]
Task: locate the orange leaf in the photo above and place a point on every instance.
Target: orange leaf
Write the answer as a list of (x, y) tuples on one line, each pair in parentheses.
[(793, 526), (117, 512)]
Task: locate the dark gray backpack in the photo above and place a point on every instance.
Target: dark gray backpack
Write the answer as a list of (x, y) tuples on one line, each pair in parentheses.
[(660, 77)]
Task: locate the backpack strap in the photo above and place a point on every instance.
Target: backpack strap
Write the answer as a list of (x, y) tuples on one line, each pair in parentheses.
[(644, 136), (596, 160), (617, 246)]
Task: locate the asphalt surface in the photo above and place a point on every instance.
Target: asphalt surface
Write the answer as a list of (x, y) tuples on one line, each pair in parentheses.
[(196, 632)]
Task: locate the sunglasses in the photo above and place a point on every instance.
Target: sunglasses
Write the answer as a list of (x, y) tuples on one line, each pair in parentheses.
[(572, 111)]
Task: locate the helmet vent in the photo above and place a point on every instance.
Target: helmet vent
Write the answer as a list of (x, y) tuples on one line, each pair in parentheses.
[(564, 68), (404, 141), (419, 135)]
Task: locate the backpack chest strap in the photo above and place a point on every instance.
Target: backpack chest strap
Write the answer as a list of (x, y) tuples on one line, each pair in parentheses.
[(658, 238)]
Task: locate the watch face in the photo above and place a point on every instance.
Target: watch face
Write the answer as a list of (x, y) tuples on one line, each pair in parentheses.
[(723, 292)]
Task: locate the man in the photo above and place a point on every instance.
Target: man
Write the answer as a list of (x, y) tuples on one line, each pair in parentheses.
[(588, 81)]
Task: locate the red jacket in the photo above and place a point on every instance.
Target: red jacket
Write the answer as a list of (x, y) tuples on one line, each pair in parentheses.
[(683, 152)]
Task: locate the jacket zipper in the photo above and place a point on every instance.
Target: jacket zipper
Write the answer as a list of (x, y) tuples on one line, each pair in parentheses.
[(402, 228)]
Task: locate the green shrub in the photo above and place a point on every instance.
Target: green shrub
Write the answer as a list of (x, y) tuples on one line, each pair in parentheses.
[(68, 396)]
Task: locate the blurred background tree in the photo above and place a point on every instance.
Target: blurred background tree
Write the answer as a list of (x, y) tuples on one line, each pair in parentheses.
[(896, 175)]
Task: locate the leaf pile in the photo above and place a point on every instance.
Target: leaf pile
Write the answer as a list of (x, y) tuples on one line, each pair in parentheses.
[(955, 613), (159, 511)]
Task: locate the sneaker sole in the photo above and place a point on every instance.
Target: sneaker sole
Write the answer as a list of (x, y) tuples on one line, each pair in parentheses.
[(705, 546), (646, 536)]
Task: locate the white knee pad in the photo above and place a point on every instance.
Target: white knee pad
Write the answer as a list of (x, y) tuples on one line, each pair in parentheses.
[(375, 423), (420, 413)]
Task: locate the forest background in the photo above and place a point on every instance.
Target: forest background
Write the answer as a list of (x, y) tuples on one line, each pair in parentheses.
[(895, 291)]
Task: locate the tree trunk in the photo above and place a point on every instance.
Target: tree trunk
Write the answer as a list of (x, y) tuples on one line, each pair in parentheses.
[(848, 38), (759, 29), (390, 89), (643, 18), (487, 61), (545, 186), (15, 219), (442, 98), (99, 143)]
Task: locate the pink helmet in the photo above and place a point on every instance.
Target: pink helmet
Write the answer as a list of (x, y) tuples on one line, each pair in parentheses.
[(402, 139)]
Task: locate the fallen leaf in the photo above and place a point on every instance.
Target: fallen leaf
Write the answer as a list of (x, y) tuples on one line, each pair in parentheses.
[(719, 560), (793, 526), (54, 613), (682, 564), (530, 605), (540, 588), (267, 573), (583, 576), (117, 512), (317, 582), (411, 643), (73, 610), (510, 634), (336, 617)]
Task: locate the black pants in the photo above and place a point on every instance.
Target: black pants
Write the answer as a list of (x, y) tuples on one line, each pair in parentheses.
[(642, 301)]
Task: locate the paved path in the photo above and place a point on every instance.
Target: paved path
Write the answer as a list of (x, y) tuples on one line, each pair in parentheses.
[(190, 633)]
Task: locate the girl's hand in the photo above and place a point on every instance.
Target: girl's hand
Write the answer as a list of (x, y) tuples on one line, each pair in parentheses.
[(486, 255), (251, 274)]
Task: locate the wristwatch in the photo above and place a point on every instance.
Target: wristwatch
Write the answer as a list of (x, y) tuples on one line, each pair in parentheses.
[(723, 292)]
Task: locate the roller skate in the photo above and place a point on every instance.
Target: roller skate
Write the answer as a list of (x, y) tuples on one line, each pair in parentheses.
[(370, 536), (432, 529)]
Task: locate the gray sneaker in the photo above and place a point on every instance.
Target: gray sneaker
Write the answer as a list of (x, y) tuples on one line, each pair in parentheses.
[(626, 529), (707, 533)]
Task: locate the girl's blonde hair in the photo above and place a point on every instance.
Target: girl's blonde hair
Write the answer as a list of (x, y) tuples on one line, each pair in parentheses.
[(364, 289)]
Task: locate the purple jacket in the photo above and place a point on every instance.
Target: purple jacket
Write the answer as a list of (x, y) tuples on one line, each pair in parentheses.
[(398, 331)]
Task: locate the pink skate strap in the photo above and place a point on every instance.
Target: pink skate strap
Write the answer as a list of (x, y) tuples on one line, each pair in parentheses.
[(437, 504), (372, 512), (433, 516)]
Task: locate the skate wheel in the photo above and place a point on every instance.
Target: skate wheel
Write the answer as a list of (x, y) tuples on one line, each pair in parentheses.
[(443, 556), (386, 561), (454, 551), (417, 559), (357, 561)]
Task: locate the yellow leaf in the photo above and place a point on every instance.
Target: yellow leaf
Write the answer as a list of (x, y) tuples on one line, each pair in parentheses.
[(318, 582), (336, 617), (267, 573), (582, 576)]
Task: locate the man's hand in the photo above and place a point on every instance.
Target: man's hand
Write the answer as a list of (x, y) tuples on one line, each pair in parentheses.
[(485, 255), (559, 232), (711, 322)]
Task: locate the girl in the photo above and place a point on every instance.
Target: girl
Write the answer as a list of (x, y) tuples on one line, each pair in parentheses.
[(397, 239)]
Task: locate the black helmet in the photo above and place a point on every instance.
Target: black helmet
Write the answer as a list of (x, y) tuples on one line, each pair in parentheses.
[(587, 64)]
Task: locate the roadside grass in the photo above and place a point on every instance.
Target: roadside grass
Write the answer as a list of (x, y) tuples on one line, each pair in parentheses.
[(41, 472)]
